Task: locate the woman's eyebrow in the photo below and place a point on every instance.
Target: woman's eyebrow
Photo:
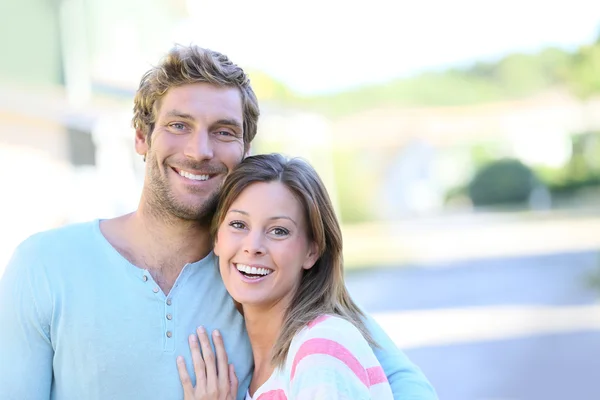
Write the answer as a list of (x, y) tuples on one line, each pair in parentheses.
[(270, 218)]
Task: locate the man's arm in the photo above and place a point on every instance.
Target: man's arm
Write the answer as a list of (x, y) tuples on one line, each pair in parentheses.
[(406, 379), (25, 349)]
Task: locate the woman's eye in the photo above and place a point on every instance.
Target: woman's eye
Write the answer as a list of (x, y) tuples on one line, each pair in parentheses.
[(237, 224), (280, 231)]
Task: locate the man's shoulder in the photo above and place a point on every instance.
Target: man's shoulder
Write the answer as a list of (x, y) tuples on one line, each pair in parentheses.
[(57, 242), (69, 234)]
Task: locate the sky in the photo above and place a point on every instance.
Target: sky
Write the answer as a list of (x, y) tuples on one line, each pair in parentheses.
[(318, 46)]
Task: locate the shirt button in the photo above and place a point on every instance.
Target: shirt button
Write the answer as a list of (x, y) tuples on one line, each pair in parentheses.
[(155, 290), (169, 317), (169, 334), (145, 278), (168, 302)]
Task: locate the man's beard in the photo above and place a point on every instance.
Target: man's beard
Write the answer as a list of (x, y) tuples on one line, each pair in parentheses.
[(165, 205)]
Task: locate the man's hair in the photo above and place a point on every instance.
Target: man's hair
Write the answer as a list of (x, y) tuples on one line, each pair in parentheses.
[(321, 289), (192, 64)]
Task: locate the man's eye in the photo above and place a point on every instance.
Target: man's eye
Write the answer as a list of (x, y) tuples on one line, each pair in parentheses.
[(177, 126), (225, 133)]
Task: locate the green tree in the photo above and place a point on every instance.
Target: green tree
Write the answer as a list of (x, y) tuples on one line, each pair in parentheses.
[(584, 73)]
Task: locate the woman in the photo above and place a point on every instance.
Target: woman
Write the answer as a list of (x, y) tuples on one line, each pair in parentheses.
[(280, 255)]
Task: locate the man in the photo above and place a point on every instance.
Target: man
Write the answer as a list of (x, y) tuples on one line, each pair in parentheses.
[(101, 310)]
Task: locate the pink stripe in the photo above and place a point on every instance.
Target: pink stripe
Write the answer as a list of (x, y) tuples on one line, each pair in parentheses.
[(317, 320), (273, 395), (376, 375), (334, 349)]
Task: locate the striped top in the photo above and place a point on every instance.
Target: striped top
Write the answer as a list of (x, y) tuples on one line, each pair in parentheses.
[(328, 359)]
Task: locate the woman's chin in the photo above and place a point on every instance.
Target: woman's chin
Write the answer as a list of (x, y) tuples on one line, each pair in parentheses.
[(248, 300)]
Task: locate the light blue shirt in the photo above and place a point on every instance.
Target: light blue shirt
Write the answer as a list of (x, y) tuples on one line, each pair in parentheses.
[(78, 321)]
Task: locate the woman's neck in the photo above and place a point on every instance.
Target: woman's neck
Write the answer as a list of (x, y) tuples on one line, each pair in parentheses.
[(263, 326)]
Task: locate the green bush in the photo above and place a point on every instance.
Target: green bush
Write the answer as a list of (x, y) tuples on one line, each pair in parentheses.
[(506, 181)]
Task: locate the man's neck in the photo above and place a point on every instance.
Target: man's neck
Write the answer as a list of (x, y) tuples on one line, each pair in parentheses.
[(159, 245)]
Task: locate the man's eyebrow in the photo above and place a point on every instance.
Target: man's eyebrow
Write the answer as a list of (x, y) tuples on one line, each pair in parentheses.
[(271, 218), (179, 114), (223, 121), (229, 122)]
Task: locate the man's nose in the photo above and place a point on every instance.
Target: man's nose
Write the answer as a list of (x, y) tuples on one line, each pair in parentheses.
[(199, 146)]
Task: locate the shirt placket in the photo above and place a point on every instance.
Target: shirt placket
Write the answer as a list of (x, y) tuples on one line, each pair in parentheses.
[(168, 313)]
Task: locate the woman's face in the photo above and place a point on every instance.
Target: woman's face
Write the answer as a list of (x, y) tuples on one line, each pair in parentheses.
[(263, 245)]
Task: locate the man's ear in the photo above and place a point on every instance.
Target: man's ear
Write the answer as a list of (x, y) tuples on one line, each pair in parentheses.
[(141, 142), (249, 151), (311, 257)]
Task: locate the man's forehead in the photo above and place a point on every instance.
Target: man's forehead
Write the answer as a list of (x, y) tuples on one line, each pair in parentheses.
[(199, 99), (200, 90)]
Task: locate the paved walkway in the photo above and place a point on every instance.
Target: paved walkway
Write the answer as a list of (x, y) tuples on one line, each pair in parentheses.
[(443, 327), (472, 236), (510, 328)]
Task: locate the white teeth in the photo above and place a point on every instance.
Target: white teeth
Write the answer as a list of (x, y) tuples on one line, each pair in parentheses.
[(193, 177), (253, 270)]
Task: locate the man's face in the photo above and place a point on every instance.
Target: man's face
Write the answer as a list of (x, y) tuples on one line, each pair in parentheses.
[(197, 140)]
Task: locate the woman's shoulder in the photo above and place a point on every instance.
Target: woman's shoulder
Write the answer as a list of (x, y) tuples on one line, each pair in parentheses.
[(331, 356), (334, 336), (329, 326)]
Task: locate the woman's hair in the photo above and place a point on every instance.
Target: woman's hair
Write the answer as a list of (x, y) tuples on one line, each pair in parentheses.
[(321, 289), (192, 64)]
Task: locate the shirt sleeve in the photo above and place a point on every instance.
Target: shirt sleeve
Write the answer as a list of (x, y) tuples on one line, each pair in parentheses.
[(333, 361), (26, 361), (405, 378)]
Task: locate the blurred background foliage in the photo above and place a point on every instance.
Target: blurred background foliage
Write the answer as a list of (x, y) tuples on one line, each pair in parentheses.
[(512, 77), (493, 181)]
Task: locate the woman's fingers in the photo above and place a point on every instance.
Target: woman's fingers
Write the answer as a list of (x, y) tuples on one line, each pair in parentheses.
[(184, 377), (233, 382), (197, 360), (209, 361), (214, 376), (222, 362)]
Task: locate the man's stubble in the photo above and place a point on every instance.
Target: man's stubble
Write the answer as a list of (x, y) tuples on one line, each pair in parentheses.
[(165, 205)]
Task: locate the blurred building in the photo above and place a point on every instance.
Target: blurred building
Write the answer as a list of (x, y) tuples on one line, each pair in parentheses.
[(67, 76)]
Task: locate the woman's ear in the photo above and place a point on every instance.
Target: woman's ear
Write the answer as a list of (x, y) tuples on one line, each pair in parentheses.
[(311, 257), (216, 247)]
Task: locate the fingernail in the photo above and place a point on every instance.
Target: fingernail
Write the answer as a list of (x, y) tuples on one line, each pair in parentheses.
[(179, 359), (217, 333), (201, 329)]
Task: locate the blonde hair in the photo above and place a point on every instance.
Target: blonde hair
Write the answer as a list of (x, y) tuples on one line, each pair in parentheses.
[(192, 64), (321, 289)]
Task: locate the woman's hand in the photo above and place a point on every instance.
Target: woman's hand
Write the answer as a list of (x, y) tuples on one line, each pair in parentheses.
[(215, 378)]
